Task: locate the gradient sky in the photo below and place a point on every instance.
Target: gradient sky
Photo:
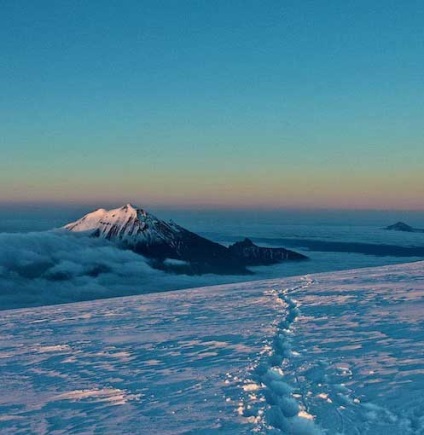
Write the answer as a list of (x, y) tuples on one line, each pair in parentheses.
[(289, 103)]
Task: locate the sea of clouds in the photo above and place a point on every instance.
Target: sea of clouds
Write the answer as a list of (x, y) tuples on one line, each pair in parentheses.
[(57, 266), (52, 267)]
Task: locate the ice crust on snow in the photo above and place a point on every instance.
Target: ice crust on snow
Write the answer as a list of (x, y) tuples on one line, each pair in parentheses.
[(333, 353)]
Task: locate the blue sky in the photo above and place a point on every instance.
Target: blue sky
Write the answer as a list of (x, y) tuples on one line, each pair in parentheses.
[(199, 103)]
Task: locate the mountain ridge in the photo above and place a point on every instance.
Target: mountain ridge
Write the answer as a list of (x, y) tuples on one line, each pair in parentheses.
[(134, 228)]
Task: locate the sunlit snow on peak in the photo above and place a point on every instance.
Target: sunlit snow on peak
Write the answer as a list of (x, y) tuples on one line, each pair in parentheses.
[(127, 223)]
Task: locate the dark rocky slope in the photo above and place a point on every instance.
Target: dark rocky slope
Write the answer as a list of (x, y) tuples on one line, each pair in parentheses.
[(254, 255)]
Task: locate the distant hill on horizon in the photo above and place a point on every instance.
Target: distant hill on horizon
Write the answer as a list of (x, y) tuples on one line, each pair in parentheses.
[(402, 226)]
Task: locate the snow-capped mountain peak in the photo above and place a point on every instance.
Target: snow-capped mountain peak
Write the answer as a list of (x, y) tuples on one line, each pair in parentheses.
[(128, 224), (134, 228)]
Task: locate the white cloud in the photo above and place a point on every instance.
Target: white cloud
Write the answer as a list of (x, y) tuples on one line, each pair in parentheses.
[(56, 267)]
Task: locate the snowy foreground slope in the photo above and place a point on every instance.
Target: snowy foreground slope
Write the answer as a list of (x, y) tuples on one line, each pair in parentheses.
[(335, 353)]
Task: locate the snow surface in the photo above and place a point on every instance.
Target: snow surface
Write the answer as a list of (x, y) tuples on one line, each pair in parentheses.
[(333, 353)]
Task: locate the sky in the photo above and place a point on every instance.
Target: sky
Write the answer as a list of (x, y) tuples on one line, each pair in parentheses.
[(203, 104)]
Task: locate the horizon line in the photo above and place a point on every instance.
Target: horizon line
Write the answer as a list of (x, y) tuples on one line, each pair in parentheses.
[(200, 207)]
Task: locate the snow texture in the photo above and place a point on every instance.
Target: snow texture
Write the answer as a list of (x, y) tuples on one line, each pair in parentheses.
[(333, 353)]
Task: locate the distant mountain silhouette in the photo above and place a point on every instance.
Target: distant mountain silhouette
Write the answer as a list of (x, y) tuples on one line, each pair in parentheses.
[(402, 226), (254, 255)]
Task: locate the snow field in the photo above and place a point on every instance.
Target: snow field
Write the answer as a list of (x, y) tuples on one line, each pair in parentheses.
[(333, 353)]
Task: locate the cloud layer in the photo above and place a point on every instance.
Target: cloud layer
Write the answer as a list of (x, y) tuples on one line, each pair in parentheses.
[(55, 267)]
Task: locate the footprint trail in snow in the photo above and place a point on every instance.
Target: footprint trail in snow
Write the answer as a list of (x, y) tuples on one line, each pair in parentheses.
[(345, 353)]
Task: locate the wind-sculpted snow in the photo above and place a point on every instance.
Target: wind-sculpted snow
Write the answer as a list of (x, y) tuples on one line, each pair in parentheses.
[(335, 353), (144, 365)]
